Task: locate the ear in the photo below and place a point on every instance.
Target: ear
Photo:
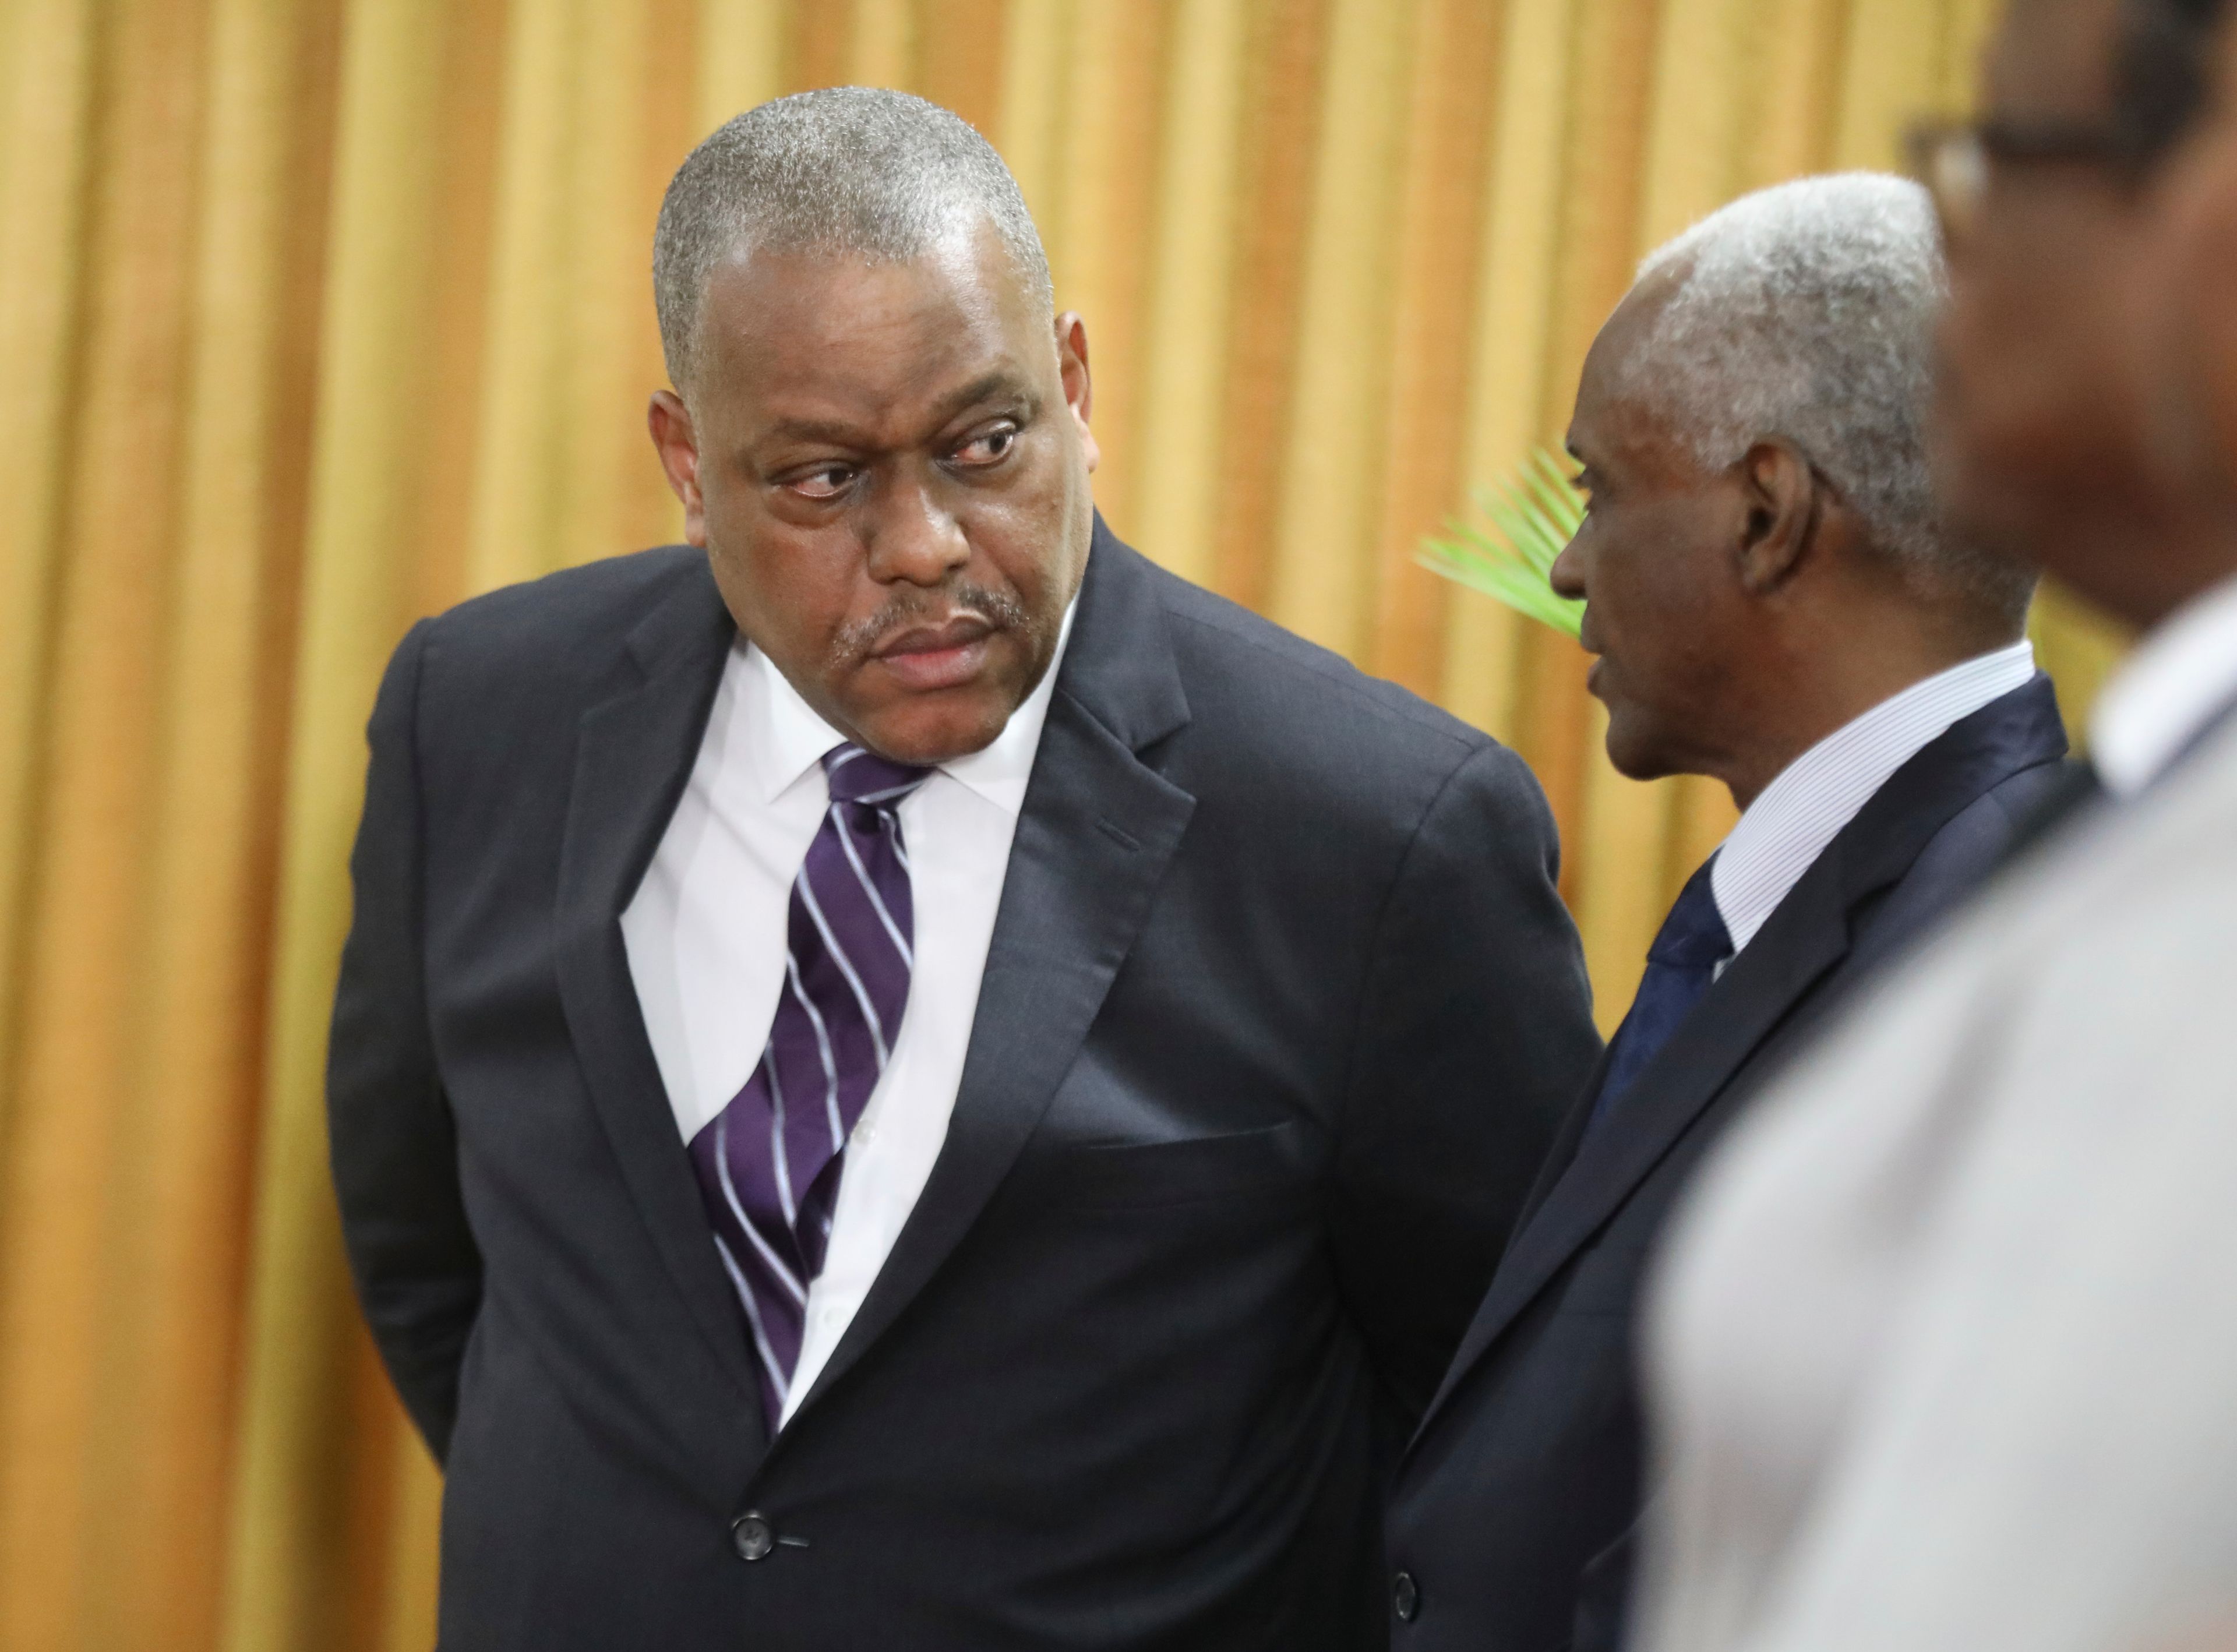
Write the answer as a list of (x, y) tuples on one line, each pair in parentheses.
[(1783, 500), (677, 443), (1072, 367)]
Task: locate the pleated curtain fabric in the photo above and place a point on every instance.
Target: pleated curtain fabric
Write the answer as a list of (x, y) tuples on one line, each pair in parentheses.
[(318, 315)]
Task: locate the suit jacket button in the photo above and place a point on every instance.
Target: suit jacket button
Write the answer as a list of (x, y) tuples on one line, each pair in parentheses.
[(1405, 1597), (753, 1536)]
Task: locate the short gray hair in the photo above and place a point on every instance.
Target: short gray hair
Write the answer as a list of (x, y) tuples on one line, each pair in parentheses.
[(1807, 311), (855, 169)]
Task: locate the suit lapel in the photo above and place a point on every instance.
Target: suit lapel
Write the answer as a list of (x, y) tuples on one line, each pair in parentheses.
[(1805, 938), (1808, 936), (634, 754), (1094, 836)]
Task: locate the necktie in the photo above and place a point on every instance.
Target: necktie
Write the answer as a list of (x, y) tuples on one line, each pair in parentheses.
[(768, 1164), (1681, 966)]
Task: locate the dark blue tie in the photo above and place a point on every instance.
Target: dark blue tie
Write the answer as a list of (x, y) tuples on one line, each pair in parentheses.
[(1681, 966)]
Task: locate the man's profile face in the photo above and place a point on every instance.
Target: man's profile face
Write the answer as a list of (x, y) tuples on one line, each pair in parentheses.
[(2042, 417), (1654, 563), (887, 464)]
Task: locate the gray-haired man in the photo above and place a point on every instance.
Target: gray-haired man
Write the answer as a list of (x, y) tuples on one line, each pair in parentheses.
[(903, 1079), (1773, 603)]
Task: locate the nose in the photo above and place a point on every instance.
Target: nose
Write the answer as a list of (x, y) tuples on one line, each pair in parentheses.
[(1567, 576), (911, 539)]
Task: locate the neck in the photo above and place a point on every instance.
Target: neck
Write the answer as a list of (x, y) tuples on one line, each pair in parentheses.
[(1825, 689)]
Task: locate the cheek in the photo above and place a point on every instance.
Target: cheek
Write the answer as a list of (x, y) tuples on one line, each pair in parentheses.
[(1645, 580), (2198, 337), (1026, 540), (1029, 563), (2035, 378), (1037, 495), (790, 595)]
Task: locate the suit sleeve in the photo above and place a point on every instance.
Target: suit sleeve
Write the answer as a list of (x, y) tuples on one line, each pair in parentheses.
[(1476, 1033), (391, 1136)]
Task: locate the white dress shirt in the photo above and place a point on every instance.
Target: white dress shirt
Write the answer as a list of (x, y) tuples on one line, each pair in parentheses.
[(2178, 678), (1788, 826), (705, 934)]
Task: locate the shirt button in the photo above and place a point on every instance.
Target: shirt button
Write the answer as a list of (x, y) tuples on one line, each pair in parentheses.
[(1405, 1597), (864, 1134), (753, 1536)]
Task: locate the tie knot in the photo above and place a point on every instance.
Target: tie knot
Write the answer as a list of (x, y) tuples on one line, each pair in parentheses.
[(1693, 937), (860, 777)]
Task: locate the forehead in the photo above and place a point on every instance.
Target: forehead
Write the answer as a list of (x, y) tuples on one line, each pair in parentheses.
[(2054, 58), (859, 332), (1617, 392)]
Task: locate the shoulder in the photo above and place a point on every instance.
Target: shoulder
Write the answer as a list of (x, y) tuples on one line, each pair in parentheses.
[(2017, 798), (2158, 864), (1278, 722), (1267, 699), (506, 675), (550, 641), (2135, 900), (1226, 649), (598, 602), (1976, 839)]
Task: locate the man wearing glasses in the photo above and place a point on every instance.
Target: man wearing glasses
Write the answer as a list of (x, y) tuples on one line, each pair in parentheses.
[(2046, 452)]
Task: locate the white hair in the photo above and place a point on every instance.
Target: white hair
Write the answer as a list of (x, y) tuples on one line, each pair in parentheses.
[(856, 169), (1806, 312)]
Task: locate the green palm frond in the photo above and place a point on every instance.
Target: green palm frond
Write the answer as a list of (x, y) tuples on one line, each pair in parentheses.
[(1528, 519)]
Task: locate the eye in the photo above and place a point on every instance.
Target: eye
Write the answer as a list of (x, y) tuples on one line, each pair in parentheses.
[(824, 482), (989, 446)]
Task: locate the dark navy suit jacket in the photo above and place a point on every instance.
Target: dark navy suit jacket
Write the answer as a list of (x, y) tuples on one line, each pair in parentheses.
[(1280, 1013), (1510, 1528)]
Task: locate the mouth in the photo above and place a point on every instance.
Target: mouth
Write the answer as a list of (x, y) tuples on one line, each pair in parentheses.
[(924, 657)]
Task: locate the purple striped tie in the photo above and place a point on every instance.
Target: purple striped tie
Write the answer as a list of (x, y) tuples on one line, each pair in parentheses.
[(768, 1164)]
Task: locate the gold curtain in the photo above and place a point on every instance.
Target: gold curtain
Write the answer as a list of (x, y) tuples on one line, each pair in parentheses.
[(317, 315)]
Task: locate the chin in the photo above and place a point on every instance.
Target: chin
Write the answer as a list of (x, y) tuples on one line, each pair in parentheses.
[(937, 728), (1634, 752)]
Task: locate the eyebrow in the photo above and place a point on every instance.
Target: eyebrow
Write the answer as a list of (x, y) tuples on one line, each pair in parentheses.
[(985, 388), (986, 385)]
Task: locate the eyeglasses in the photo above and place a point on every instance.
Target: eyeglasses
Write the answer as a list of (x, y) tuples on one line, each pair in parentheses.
[(1956, 159)]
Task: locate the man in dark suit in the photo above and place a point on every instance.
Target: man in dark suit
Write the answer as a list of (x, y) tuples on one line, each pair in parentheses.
[(1774, 603), (902, 1078)]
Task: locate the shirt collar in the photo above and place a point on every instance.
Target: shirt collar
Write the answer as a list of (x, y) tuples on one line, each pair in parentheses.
[(2180, 676), (789, 738), (1785, 828)]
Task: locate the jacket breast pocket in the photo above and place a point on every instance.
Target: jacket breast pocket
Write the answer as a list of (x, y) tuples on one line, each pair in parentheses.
[(1134, 1175)]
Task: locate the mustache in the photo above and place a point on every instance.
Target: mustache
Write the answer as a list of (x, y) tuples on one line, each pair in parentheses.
[(1002, 610)]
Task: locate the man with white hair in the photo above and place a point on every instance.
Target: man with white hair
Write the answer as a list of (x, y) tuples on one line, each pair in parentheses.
[(1773, 603), (903, 1078)]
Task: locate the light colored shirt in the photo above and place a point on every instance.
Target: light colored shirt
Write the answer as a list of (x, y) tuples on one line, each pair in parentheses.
[(706, 931), (1942, 1353), (1788, 826), (2177, 680)]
